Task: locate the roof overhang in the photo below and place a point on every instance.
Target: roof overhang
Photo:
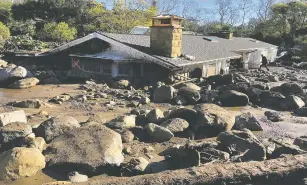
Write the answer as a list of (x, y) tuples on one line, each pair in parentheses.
[(213, 60)]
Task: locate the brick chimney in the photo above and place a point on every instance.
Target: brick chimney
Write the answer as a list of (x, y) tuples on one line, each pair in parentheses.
[(166, 35)]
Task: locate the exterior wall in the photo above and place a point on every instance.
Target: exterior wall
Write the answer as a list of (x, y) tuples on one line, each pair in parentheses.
[(154, 73), (166, 40)]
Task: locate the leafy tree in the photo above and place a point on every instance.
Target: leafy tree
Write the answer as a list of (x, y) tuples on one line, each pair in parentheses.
[(5, 11), (4, 33), (22, 27), (58, 32)]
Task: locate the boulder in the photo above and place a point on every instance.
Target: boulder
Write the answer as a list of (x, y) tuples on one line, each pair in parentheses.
[(60, 99), (273, 116), (24, 83), (180, 100), (183, 113), (243, 142), (35, 104), (285, 148), (20, 162), (13, 133), (254, 95), (158, 133), (76, 177), (121, 84), (129, 121), (301, 112), (56, 126), (39, 143), (248, 121), (260, 85), (213, 118), (11, 117), (144, 100), (3, 63), (127, 136), (271, 99), (97, 118), (240, 87), (155, 116), (273, 78), (175, 125), (301, 142), (136, 166), (289, 88), (292, 103), (240, 78), (13, 72), (86, 149), (209, 96), (233, 99), (163, 94), (191, 95), (220, 80), (190, 86)]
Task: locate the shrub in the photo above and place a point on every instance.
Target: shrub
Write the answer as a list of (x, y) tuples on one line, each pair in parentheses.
[(4, 33), (22, 28), (60, 32)]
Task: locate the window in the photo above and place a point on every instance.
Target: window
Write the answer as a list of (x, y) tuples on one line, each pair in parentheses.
[(91, 67), (107, 69), (124, 70)]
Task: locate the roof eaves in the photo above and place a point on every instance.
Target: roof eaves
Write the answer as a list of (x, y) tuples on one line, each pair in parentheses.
[(207, 61)]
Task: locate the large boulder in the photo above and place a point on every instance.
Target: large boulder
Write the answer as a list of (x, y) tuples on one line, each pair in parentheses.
[(220, 80), (189, 85), (158, 133), (243, 142), (209, 96), (248, 121), (301, 142), (291, 103), (233, 99), (273, 116), (289, 88), (190, 94), (175, 125), (56, 126), (301, 112), (213, 118), (155, 116), (86, 149), (11, 117), (13, 72), (129, 121), (20, 162), (183, 113), (35, 104), (163, 94), (121, 84), (271, 98), (24, 83), (136, 166)]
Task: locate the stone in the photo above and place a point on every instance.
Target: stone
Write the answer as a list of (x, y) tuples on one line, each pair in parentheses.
[(163, 94), (209, 96), (155, 116), (248, 121), (127, 136), (76, 177), (273, 116), (39, 143), (180, 100), (289, 89), (183, 113), (213, 118), (285, 148), (233, 99), (96, 118), (34, 104), (86, 149), (56, 126), (24, 83), (260, 85), (20, 162), (240, 87), (269, 146), (121, 84), (190, 86), (273, 78), (175, 125), (243, 142), (13, 72), (144, 100), (219, 80), (240, 78), (43, 113), (271, 99), (3, 63), (14, 134), (136, 166), (292, 103), (191, 95), (301, 142), (129, 121), (301, 112), (11, 117), (158, 133)]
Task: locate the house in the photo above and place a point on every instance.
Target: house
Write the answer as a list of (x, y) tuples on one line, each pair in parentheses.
[(165, 53)]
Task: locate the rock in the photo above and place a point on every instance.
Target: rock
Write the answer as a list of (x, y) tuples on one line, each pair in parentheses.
[(273, 116), (163, 94), (3, 63), (180, 100), (175, 125), (189, 85), (220, 80), (260, 85), (271, 99), (289, 89), (213, 118), (13, 135), (39, 143), (129, 121), (127, 136), (233, 99), (96, 118), (301, 112), (254, 95), (121, 84), (158, 133), (144, 100), (191, 95), (301, 142), (292, 103), (155, 116), (20, 162), (284, 148), (76, 177), (136, 166), (34, 104), (269, 146), (11, 117), (56, 126), (240, 87), (209, 96), (273, 78), (240, 78), (43, 113), (13, 72), (86, 149), (183, 113), (243, 142), (248, 121), (24, 83)]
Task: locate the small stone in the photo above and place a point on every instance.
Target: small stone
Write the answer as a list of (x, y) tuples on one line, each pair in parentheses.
[(155, 116), (76, 177), (273, 116), (158, 133)]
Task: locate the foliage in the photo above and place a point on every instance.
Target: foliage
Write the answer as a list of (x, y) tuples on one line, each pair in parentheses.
[(4, 33), (58, 32), (5, 10), (22, 27), (23, 42)]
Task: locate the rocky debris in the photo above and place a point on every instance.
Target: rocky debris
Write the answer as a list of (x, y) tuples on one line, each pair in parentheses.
[(260, 85), (20, 162), (34, 104), (269, 146), (273, 78), (121, 84), (56, 126), (11, 117), (301, 112), (60, 99), (76, 177), (242, 144), (248, 121), (213, 118), (158, 133), (289, 89), (129, 121), (13, 72), (144, 100), (292, 103), (240, 78), (163, 94), (283, 148), (209, 96), (175, 125), (273, 116), (219, 80), (183, 113), (39, 143), (301, 142), (188, 85), (136, 166), (233, 99), (127, 136), (155, 116), (89, 149), (180, 100), (24, 83), (190, 94)]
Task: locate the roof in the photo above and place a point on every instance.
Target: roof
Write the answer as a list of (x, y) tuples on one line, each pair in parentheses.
[(138, 47)]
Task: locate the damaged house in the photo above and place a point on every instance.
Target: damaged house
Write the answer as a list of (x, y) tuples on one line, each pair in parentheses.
[(163, 53)]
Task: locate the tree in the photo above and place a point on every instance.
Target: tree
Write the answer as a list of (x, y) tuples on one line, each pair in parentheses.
[(5, 11), (245, 8), (228, 13), (4, 34), (58, 32), (264, 9)]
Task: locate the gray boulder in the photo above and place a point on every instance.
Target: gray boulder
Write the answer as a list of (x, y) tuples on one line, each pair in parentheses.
[(273, 116), (11, 117), (35, 104), (56, 126), (271, 98), (301, 142), (180, 100), (243, 142), (285, 148), (248, 121), (209, 96), (24, 83), (136, 166), (184, 113), (291, 103), (175, 125), (273, 78), (190, 94), (163, 94), (289, 88), (86, 149), (13, 72), (233, 99), (260, 85), (240, 78), (301, 112), (155, 116), (158, 133)]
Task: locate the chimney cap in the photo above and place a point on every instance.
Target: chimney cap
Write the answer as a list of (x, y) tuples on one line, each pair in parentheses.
[(168, 16)]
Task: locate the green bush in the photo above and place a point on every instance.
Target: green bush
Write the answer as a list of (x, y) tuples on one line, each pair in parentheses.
[(22, 28), (24, 42), (60, 32), (4, 34)]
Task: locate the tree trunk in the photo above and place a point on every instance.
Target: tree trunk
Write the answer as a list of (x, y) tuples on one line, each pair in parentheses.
[(273, 172)]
